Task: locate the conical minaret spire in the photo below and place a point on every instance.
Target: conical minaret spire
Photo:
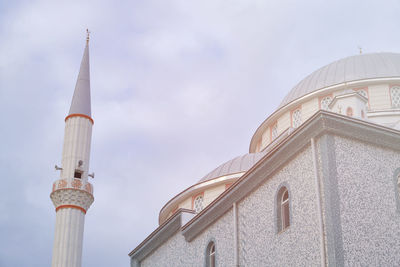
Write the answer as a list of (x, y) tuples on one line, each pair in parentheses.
[(81, 100), (72, 194)]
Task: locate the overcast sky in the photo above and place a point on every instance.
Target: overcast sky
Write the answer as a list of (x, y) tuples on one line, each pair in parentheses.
[(178, 88)]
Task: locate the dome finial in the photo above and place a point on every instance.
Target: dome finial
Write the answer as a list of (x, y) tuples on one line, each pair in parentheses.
[(87, 36)]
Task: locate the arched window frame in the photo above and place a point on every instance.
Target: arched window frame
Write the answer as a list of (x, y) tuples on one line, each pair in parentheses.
[(211, 254), (296, 117), (325, 101), (395, 96), (363, 92), (195, 201), (280, 206)]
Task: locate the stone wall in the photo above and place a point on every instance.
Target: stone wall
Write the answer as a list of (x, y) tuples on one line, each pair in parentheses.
[(298, 245), (370, 219), (177, 252)]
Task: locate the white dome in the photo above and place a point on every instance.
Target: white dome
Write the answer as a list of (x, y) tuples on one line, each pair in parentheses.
[(360, 67), (236, 165)]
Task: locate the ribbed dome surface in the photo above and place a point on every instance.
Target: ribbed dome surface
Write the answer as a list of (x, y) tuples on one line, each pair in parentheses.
[(238, 164), (360, 67)]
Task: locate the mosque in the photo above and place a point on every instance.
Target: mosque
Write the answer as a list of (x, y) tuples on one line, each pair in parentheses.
[(319, 186)]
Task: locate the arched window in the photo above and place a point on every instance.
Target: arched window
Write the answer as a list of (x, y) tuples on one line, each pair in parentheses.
[(325, 102), (283, 209), (363, 93), (210, 256), (395, 94), (198, 203), (296, 118)]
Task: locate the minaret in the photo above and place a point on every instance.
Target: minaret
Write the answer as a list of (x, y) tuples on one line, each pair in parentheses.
[(72, 194)]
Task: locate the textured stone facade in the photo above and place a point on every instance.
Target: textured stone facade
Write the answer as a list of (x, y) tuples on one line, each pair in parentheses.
[(259, 244), (178, 252), (370, 221), (298, 245), (355, 174)]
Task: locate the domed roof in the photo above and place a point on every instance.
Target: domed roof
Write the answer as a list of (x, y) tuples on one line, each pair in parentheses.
[(236, 165), (360, 67)]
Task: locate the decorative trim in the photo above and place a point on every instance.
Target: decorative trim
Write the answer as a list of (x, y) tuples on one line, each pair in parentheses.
[(61, 184), (390, 94), (322, 97), (70, 196), (72, 207), (194, 198), (75, 183), (298, 108), (79, 115)]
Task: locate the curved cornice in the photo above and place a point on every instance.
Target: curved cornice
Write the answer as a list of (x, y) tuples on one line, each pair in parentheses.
[(194, 189), (280, 111)]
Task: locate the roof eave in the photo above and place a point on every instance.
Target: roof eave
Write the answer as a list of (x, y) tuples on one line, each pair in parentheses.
[(160, 234), (320, 123)]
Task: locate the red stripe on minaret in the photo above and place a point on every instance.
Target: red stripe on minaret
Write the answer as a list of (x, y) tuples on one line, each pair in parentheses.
[(72, 207), (79, 115)]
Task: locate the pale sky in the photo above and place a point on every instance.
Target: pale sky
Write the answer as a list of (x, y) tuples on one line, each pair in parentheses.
[(178, 88)]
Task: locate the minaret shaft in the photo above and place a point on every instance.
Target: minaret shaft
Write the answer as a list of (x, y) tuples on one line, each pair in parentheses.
[(77, 140), (68, 240), (72, 194)]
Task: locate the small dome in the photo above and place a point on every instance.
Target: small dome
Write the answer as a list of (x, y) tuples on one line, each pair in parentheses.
[(360, 67), (236, 165)]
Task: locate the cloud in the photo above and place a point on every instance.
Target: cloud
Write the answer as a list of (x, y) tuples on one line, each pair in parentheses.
[(178, 87)]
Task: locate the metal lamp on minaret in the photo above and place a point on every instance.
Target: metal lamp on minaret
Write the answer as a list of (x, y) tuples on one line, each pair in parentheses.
[(72, 194)]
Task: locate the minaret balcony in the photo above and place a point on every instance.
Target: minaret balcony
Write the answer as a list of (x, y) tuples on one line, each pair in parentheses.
[(77, 184)]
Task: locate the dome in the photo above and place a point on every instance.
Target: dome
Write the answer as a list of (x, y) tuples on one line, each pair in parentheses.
[(236, 165), (207, 184), (360, 67)]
